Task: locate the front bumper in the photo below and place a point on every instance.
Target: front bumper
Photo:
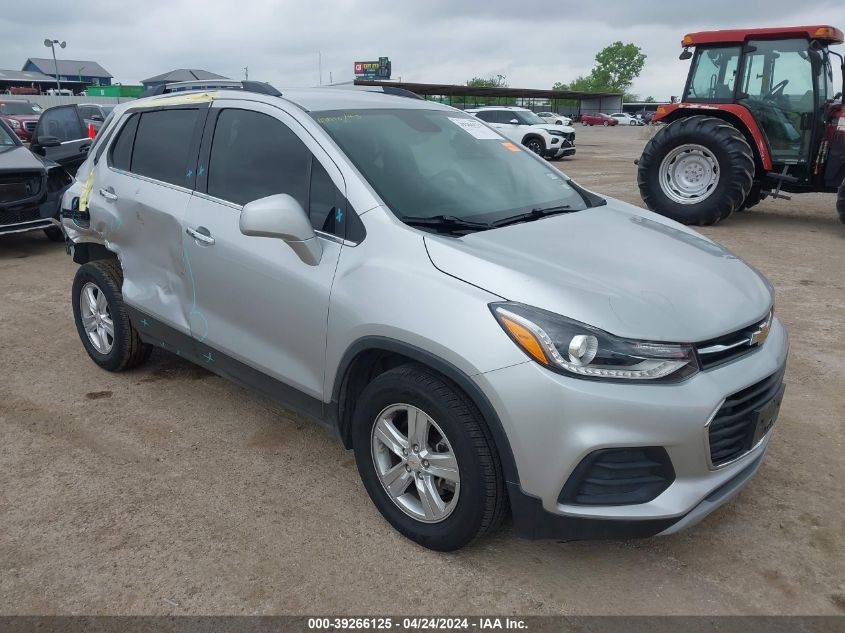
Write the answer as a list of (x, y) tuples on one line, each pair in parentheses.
[(553, 422), (32, 216), (560, 152)]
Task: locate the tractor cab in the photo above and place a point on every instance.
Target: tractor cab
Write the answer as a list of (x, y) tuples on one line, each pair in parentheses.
[(783, 77), (775, 87)]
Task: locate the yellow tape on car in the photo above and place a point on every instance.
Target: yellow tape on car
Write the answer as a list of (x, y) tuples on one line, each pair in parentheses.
[(86, 191)]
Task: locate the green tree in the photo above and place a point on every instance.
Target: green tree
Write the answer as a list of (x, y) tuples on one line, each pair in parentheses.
[(616, 68), (618, 65), (498, 81)]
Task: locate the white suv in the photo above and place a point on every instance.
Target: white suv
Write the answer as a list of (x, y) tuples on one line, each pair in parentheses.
[(525, 127)]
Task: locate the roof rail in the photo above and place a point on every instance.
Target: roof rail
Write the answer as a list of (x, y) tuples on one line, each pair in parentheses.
[(259, 87)]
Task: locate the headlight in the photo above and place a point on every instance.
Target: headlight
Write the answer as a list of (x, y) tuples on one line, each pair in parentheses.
[(15, 125), (579, 350), (555, 132)]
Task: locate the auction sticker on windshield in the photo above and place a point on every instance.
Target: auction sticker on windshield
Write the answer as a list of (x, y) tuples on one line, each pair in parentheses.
[(475, 128)]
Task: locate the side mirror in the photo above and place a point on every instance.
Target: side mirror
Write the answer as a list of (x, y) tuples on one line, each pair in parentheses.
[(514, 122), (282, 217)]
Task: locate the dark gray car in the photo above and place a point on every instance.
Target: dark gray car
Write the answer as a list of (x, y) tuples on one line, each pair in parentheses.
[(30, 189)]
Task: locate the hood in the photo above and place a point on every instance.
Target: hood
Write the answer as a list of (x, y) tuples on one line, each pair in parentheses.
[(21, 117), (551, 127), (629, 272), (19, 158)]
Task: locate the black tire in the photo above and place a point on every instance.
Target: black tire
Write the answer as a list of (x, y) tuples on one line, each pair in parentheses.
[(54, 234), (482, 500), (535, 144), (753, 198), (729, 148), (840, 202), (127, 350)]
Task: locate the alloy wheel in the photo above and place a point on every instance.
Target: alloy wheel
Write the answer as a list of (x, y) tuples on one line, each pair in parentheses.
[(415, 463), (96, 318)]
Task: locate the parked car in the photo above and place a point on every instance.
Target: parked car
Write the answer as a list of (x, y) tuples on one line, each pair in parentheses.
[(557, 119), (22, 116), (95, 112), (623, 118), (598, 119), (30, 189), (528, 129), (486, 334), (63, 135)]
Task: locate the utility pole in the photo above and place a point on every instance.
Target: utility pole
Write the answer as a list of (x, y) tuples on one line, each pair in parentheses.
[(246, 73), (320, 66), (52, 44)]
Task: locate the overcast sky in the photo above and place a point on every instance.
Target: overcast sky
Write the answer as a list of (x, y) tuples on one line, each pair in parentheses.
[(534, 44)]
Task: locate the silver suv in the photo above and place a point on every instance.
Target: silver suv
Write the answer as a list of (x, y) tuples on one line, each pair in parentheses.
[(487, 335)]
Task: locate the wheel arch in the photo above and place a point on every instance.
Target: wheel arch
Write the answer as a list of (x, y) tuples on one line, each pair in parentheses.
[(740, 118), (534, 135), (84, 252), (373, 355)]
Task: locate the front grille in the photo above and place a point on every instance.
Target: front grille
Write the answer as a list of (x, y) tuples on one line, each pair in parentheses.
[(29, 126), (19, 187), (731, 432), (619, 476), (731, 346), (16, 216)]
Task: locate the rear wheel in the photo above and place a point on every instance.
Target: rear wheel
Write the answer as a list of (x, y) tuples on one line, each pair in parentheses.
[(696, 170), (427, 460), (101, 317)]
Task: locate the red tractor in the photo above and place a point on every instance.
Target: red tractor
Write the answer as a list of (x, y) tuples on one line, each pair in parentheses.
[(760, 116)]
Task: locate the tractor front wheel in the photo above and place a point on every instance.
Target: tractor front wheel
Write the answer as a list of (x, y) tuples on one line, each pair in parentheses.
[(696, 170)]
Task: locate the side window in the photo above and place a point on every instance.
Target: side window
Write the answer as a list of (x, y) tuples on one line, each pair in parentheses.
[(163, 144), (120, 155), (324, 202), (254, 156), (86, 111), (486, 115), (61, 122)]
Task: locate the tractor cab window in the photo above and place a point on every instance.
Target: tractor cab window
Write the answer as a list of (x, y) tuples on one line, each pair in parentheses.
[(714, 74), (777, 87)]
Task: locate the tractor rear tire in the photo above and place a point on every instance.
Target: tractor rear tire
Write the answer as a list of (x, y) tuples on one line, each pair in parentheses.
[(696, 170)]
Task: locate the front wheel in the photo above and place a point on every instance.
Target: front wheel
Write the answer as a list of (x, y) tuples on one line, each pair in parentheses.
[(427, 460), (696, 170), (536, 145)]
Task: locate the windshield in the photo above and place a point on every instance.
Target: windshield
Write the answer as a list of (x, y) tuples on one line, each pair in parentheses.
[(528, 118), (425, 163), (21, 107)]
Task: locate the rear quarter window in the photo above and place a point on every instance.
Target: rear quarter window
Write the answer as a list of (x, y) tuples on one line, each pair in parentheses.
[(163, 145)]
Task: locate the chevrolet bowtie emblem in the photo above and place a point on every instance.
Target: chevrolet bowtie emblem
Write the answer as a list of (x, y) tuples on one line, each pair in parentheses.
[(760, 335)]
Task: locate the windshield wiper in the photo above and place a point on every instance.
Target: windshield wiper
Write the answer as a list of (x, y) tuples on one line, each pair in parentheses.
[(448, 223), (534, 214)]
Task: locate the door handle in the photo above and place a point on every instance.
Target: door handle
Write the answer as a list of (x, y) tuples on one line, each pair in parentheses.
[(108, 195), (201, 234)]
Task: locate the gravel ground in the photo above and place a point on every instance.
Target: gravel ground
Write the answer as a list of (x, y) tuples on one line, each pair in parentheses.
[(167, 490)]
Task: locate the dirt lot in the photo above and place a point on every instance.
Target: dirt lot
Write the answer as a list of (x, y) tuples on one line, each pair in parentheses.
[(169, 490)]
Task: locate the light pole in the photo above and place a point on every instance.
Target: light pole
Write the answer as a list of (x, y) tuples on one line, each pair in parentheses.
[(52, 44)]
